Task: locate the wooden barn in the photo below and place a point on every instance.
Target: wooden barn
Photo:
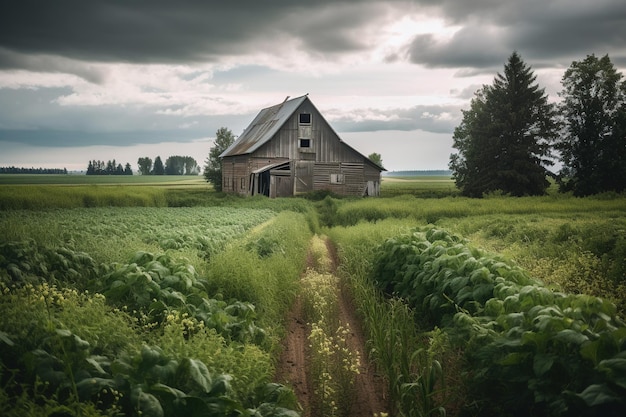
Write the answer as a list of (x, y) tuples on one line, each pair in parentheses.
[(290, 149)]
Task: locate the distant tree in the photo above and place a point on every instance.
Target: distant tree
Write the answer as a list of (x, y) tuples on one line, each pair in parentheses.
[(593, 146), (128, 170), (191, 166), (158, 169), (145, 165), (96, 167), (376, 158), (174, 166), (504, 140), (110, 167), (213, 165), (119, 170), (16, 170)]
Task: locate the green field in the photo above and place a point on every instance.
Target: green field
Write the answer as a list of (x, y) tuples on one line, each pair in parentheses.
[(419, 186), (70, 179), (197, 284)]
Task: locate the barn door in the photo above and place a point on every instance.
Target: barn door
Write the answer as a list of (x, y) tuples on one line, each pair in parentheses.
[(304, 176)]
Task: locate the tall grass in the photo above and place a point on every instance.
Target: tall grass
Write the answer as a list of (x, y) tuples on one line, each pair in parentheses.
[(264, 268), (43, 197), (410, 361), (424, 211)]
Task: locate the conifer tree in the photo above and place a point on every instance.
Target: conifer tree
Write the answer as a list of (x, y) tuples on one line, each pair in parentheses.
[(504, 140)]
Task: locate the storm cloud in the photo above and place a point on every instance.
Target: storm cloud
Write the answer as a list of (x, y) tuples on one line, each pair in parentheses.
[(78, 73)]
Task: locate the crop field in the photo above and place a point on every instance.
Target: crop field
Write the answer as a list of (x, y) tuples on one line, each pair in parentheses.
[(70, 179), (496, 306), (420, 186)]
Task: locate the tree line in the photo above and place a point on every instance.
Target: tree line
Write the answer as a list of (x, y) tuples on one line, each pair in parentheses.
[(174, 165), (511, 135), (96, 167), (16, 170)]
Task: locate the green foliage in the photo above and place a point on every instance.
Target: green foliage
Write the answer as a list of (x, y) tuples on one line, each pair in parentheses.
[(531, 350), (112, 234), (376, 158), (181, 165), (503, 142), (145, 165), (594, 109), (263, 268), (213, 164), (158, 168), (410, 361), (45, 197), (422, 186), (59, 305)]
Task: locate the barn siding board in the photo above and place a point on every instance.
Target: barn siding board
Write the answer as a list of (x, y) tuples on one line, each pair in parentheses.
[(310, 168)]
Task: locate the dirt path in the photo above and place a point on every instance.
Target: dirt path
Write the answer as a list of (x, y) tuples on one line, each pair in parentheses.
[(292, 367)]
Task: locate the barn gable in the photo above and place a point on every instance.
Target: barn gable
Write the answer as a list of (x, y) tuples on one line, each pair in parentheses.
[(289, 149)]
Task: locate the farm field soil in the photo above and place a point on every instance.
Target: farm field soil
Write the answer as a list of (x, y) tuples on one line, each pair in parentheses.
[(293, 370)]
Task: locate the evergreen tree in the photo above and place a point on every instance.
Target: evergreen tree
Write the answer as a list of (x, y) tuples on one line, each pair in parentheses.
[(504, 140), (159, 169), (593, 147), (128, 170), (213, 165)]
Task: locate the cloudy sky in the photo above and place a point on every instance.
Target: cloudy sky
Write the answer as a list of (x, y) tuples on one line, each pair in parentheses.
[(119, 79)]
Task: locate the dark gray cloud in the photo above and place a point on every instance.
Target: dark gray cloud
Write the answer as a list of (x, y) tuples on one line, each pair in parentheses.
[(548, 32), (167, 31)]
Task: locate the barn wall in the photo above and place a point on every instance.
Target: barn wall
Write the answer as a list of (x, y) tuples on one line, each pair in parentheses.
[(236, 171), (312, 167), (325, 144)]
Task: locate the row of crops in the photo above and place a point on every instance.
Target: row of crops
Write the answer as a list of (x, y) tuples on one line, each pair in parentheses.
[(157, 334), (529, 350), (165, 311)]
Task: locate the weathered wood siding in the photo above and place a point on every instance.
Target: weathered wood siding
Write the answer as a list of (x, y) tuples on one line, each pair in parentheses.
[(316, 167), (325, 144)]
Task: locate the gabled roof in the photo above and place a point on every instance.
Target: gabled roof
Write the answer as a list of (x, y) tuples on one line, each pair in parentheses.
[(267, 123), (264, 127)]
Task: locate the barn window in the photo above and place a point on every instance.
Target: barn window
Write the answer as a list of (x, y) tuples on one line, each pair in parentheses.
[(337, 178), (304, 143), (243, 183), (305, 118)]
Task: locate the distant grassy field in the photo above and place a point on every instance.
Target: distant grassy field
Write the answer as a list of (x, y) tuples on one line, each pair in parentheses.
[(418, 185), (44, 179)]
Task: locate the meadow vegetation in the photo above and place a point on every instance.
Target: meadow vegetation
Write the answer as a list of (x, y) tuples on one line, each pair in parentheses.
[(456, 296)]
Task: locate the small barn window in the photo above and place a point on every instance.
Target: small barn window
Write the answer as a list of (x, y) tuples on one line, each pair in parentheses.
[(305, 118), (337, 178), (304, 143), (243, 183)]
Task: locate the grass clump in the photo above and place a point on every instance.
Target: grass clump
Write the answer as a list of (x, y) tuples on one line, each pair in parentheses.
[(263, 268)]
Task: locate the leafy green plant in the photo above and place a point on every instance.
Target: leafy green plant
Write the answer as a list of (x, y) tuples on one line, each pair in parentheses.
[(538, 350)]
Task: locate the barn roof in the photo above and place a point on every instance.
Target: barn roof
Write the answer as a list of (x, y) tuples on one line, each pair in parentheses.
[(264, 127), (267, 123)]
